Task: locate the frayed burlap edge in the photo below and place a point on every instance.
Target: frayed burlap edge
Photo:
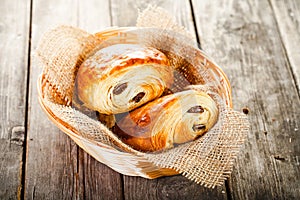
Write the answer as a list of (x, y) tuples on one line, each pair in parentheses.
[(156, 17), (74, 45)]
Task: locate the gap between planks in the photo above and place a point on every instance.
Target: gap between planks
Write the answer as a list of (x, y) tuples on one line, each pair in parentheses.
[(21, 195)]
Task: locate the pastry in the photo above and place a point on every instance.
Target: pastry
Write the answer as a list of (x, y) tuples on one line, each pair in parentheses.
[(122, 77), (173, 119)]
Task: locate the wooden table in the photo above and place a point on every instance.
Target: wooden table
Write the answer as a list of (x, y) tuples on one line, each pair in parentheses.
[(255, 41)]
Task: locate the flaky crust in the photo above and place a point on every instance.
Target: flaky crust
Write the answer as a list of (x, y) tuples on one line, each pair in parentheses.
[(122, 77), (169, 120)]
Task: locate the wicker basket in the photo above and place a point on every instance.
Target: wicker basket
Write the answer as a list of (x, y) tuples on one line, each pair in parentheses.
[(124, 162)]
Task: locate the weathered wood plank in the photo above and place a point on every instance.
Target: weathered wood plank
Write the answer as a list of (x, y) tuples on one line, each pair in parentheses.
[(243, 38), (56, 167), (100, 181), (175, 187), (124, 13), (14, 32), (287, 14)]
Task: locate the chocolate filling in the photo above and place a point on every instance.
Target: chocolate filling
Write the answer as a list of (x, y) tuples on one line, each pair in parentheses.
[(138, 97), (198, 127), (119, 88), (196, 109)]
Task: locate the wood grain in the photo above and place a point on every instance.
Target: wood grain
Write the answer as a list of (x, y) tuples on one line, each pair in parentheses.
[(243, 37), (124, 13), (14, 32), (175, 187), (100, 181), (287, 14), (56, 167)]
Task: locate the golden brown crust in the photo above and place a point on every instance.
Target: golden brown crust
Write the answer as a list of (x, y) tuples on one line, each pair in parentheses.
[(118, 57), (108, 67), (176, 118)]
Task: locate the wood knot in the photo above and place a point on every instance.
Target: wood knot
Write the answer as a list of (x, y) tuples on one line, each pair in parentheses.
[(246, 111), (18, 135), (279, 158)]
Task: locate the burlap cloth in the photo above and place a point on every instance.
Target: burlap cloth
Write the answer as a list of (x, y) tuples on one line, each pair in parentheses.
[(207, 160)]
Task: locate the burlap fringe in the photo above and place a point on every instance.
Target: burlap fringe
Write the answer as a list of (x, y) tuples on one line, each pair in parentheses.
[(74, 46), (207, 160), (156, 17)]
